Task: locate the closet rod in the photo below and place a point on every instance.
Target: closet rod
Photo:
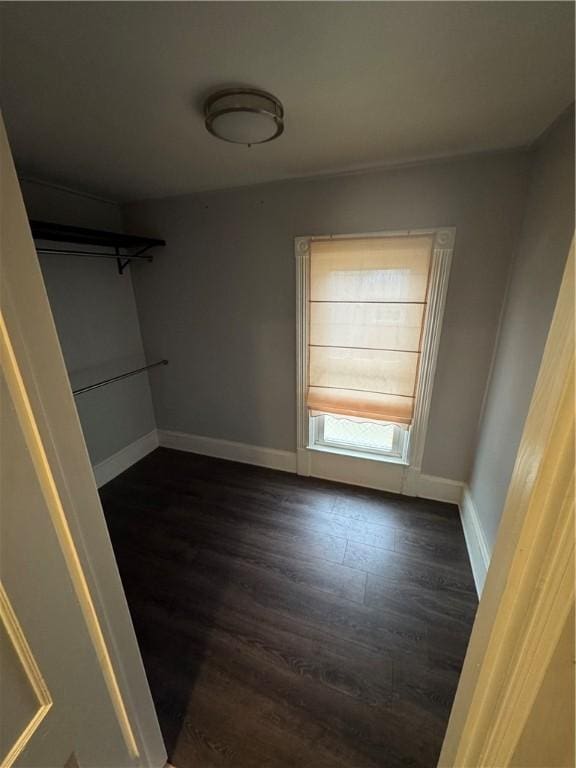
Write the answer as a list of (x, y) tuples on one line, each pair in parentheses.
[(93, 254), (117, 378)]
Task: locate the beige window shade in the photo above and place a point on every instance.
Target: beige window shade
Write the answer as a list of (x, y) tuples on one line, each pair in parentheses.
[(367, 309)]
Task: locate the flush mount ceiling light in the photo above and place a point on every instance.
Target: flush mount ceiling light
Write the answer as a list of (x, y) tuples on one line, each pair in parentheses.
[(244, 116)]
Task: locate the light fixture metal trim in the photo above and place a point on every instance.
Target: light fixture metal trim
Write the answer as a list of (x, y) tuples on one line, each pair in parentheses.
[(271, 107)]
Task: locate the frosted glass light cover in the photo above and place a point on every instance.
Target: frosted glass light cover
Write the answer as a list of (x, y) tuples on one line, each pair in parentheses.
[(244, 127)]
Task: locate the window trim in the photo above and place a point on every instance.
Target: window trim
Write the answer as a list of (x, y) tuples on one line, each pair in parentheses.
[(442, 251)]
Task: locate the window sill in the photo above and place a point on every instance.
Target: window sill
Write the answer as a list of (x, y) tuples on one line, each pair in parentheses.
[(358, 454)]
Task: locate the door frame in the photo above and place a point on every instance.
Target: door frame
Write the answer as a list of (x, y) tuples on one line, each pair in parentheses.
[(529, 591), (36, 375)]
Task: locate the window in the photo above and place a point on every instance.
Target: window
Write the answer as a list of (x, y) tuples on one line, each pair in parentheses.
[(369, 314), (379, 437)]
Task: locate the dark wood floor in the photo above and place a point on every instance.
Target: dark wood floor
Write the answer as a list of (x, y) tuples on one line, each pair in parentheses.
[(286, 621)]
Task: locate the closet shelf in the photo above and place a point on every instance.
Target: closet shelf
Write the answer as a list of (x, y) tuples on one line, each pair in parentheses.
[(125, 248)]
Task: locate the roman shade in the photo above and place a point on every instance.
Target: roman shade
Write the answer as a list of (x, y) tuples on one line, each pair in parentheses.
[(366, 316)]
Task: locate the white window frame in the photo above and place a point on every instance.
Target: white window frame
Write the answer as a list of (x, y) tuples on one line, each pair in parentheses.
[(442, 250)]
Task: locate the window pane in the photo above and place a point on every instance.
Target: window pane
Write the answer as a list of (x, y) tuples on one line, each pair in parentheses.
[(363, 434)]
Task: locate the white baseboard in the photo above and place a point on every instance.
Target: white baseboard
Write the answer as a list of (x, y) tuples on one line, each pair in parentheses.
[(381, 476), (108, 469), (227, 449), (439, 489), (478, 550)]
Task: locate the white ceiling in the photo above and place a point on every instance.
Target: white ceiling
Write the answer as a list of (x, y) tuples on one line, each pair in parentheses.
[(106, 97)]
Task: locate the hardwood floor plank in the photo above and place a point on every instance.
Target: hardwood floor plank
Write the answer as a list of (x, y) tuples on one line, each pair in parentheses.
[(428, 686), (432, 546), (437, 607), (231, 511), (317, 573), (310, 565), (411, 570), (419, 514), (201, 524), (218, 578), (302, 652)]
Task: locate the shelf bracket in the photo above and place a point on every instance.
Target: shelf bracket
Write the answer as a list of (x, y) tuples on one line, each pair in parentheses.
[(122, 264)]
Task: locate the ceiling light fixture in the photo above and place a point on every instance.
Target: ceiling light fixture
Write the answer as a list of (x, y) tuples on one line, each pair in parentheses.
[(244, 116)]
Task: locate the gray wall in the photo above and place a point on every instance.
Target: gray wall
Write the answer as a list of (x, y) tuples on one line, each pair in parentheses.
[(95, 314), (219, 301), (535, 281)]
